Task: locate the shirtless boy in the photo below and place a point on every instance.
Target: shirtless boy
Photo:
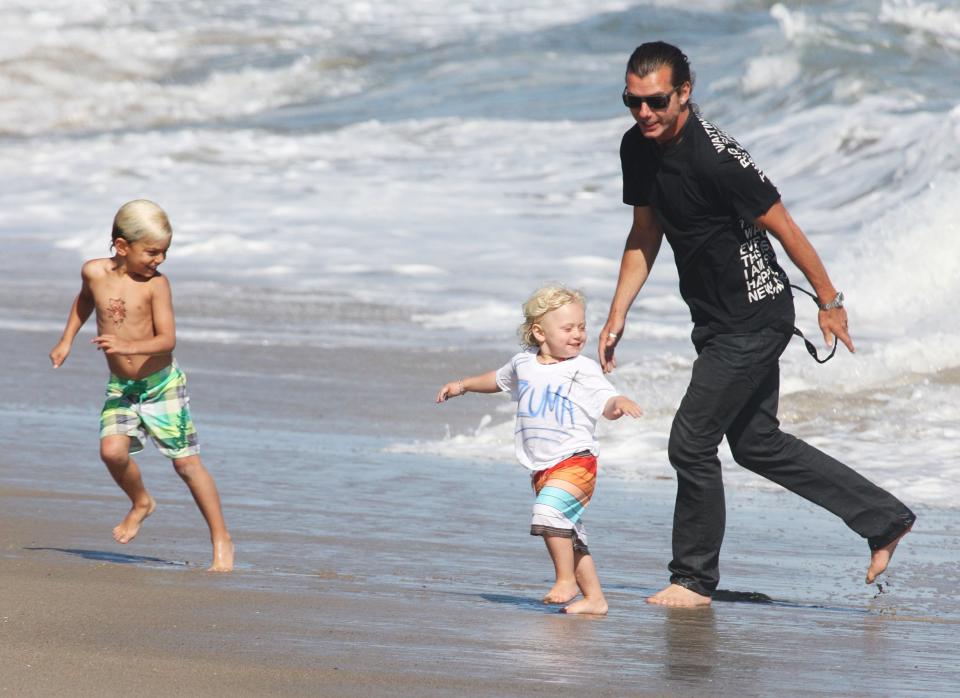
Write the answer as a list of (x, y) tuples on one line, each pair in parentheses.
[(147, 392)]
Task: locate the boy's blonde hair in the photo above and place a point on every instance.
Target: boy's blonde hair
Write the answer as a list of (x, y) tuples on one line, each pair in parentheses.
[(141, 219), (543, 300)]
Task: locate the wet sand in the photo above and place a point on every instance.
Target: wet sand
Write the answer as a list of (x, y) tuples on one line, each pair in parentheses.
[(458, 614), (364, 572)]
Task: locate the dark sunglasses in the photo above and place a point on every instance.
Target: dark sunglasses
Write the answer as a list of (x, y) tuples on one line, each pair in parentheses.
[(655, 102), (811, 349)]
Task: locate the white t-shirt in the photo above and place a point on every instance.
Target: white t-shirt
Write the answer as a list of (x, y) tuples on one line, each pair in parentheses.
[(558, 406)]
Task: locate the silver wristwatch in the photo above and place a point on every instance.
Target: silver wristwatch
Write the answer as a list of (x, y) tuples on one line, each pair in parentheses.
[(837, 302)]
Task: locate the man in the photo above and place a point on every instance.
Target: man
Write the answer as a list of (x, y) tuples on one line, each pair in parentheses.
[(692, 183)]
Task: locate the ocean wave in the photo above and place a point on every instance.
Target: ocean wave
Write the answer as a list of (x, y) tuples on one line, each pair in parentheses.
[(161, 64), (867, 431), (342, 173), (931, 19)]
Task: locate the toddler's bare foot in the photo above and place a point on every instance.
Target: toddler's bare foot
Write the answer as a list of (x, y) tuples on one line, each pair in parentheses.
[(222, 556), (679, 596), (592, 606), (879, 559), (127, 530), (562, 592)]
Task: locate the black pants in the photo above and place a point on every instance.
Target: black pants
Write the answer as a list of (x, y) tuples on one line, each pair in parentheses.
[(734, 391)]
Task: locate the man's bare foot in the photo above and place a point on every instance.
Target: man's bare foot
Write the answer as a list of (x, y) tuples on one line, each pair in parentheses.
[(679, 596), (127, 530), (879, 559), (222, 556), (596, 607), (562, 592)]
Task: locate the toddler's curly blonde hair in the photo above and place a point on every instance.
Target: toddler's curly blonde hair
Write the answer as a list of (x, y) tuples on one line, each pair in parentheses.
[(543, 300)]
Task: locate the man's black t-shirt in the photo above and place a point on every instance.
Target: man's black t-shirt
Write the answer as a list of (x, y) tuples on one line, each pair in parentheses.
[(706, 191)]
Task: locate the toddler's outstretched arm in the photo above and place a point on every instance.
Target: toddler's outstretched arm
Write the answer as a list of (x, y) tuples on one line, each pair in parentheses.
[(620, 405), (484, 383)]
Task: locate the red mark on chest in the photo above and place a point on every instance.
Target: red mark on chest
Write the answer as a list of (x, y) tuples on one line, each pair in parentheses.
[(117, 310)]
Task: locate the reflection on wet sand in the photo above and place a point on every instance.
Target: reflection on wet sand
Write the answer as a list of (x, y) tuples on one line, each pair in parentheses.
[(690, 644)]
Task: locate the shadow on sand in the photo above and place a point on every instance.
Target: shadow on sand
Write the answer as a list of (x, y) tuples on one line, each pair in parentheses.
[(741, 596), (520, 602), (118, 558), (719, 595)]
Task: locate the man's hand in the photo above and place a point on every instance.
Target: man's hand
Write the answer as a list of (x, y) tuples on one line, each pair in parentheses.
[(639, 254), (833, 323), (609, 337)]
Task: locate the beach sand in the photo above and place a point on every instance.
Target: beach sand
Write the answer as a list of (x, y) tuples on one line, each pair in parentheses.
[(366, 572)]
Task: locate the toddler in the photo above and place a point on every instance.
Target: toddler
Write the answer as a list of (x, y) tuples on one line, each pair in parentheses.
[(560, 396)]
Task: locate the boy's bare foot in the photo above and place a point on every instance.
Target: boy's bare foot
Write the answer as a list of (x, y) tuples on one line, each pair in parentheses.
[(679, 596), (879, 559), (222, 556), (596, 607), (562, 592), (127, 530)]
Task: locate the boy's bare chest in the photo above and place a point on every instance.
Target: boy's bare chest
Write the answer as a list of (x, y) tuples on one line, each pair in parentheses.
[(121, 305)]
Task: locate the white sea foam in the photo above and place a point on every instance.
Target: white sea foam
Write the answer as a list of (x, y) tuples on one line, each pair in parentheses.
[(793, 24), (878, 447), (602, 264), (488, 315), (901, 275), (934, 19), (419, 270), (766, 72), (102, 68)]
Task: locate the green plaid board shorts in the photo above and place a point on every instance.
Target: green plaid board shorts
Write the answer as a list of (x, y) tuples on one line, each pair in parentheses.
[(156, 406)]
